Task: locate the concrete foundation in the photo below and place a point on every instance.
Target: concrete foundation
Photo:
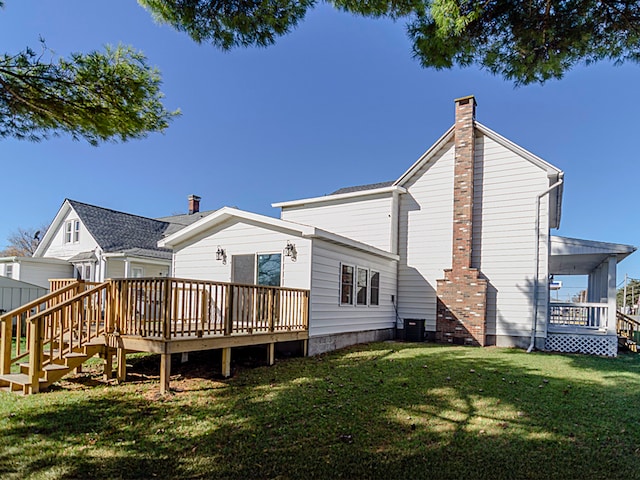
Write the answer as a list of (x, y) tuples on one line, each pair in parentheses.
[(508, 341), (327, 343)]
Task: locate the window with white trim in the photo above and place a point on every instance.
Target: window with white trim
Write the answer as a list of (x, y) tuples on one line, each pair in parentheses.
[(8, 271), (137, 272), (346, 285), (67, 232), (363, 284), (72, 231), (374, 289), (359, 286)]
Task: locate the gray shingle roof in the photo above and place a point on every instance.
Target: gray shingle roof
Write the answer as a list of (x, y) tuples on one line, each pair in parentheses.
[(178, 222), (361, 188), (118, 231)]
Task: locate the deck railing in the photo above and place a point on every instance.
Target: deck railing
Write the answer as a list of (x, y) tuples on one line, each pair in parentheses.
[(50, 328), (582, 315), (173, 308), (59, 283)]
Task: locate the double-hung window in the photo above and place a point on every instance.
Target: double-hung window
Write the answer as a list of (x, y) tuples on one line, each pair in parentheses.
[(363, 283), (72, 231), (346, 285), (374, 289)]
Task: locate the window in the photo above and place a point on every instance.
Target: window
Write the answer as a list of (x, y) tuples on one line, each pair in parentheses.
[(269, 265), (87, 273), (8, 271), (359, 283), (374, 296), (137, 272), (346, 285), (363, 283), (72, 231), (67, 232)]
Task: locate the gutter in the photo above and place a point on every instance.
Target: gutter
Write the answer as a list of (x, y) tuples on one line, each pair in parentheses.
[(534, 320)]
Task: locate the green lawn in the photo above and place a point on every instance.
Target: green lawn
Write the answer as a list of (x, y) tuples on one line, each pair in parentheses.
[(385, 410)]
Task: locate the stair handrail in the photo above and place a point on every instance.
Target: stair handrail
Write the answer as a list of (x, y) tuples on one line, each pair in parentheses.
[(6, 324), (45, 333), (626, 325)]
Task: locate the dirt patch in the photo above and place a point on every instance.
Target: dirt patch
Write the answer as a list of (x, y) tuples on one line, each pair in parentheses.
[(197, 371)]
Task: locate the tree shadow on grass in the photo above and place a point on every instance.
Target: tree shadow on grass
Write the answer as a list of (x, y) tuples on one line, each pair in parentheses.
[(379, 411)]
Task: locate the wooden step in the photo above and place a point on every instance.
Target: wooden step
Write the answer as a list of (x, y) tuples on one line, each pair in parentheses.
[(16, 383)]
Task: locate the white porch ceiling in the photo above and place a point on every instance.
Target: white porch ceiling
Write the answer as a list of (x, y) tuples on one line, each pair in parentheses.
[(573, 256)]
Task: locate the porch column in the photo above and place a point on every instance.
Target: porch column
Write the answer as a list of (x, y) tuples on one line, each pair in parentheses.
[(611, 295), (127, 268)]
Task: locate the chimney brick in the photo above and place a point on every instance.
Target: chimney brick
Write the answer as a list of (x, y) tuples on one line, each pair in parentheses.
[(462, 293), (194, 204)]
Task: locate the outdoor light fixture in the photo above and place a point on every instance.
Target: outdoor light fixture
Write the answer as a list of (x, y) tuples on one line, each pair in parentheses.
[(221, 254), (290, 251)]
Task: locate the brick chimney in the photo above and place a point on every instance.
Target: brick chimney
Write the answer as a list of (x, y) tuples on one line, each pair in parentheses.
[(194, 204), (462, 293)]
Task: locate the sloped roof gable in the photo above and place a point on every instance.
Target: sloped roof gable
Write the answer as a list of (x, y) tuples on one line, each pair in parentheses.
[(117, 231)]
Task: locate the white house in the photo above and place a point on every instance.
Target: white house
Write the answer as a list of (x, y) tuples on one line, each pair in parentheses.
[(94, 243), (461, 240)]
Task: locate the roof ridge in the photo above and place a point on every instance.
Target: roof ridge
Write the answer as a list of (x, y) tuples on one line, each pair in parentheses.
[(114, 211)]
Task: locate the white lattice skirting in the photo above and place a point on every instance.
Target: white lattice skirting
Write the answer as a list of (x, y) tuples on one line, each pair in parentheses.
[(606, 345)]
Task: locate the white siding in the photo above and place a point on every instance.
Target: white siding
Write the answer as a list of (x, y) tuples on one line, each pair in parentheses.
[(366, 219), (425, 235), (197, 258), (505, 190), (57, 248), (40, 273), (115, 268), (150, 269), (327, 316)]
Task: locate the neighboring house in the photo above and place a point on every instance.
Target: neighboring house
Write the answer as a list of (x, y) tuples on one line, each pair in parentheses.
[(94, 243), (460, 241)]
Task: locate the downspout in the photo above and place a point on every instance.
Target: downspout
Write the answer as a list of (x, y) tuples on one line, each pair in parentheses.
[(534, 321)]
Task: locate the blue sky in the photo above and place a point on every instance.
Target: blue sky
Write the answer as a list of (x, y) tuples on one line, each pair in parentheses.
[(338, 102)]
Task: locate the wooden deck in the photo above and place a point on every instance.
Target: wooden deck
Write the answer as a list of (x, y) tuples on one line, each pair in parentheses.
[(56, 333)]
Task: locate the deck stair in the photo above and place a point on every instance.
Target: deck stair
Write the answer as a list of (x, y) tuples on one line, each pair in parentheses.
[(627, 329), (43, 341)]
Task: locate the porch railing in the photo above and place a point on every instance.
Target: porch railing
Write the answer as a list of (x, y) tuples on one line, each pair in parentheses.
[(583, 315)]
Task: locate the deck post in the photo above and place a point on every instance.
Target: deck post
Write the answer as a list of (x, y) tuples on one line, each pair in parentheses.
[(166, 308), (121, 355), (226, 362), (271, 353), (5, 346), (165, 372), (228, 321), (107, 364), (305, 348), (35, 353)]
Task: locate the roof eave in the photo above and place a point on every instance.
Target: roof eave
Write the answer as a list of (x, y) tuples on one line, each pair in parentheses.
[(340, 196), (426, 156), (226, 213), (348, 242)]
